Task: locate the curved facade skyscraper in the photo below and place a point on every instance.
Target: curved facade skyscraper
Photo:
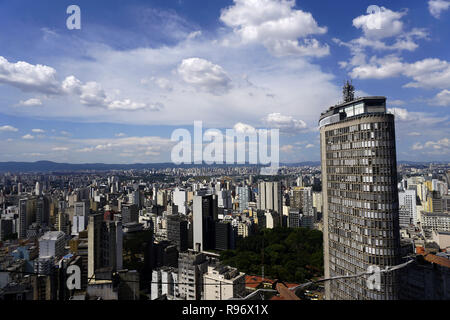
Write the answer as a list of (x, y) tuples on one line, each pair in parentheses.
[(359, 178)]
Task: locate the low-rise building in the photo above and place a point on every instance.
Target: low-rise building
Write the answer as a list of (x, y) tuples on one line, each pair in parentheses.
[(441, 238), (223, 283)]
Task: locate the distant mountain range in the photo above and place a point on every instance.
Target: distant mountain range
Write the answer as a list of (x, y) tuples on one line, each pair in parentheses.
[(49, 166)]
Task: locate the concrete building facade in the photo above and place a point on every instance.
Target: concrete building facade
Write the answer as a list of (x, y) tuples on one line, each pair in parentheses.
[(360, 197)]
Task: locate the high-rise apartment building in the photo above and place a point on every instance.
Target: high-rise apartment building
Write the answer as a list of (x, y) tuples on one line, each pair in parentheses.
[(317, 201), (6, 228), (204, 216), (22, 230), (191, 268), (225, 235), (223, 283), (360, 197), (62, 223), (135, 198), (105, 241), (80, 217), (161, 198), (270, 198), (435, 221), (407, 207), (179, 197), (51, 244), (177, 231), (130, 213), (244, 194), (38, 189), (42, 211), (165, 283), (294, 218), (224, 199), (302, 199)]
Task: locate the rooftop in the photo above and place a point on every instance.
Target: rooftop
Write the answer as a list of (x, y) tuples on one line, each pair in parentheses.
[(256, 281), (53, 235), (353, 108), (437, 260), (359, 99)]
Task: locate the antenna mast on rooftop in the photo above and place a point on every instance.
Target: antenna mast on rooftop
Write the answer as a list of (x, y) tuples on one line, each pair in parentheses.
[(348, 91)]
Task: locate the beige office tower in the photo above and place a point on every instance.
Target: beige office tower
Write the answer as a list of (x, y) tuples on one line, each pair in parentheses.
[(270, 196), (360, 198)]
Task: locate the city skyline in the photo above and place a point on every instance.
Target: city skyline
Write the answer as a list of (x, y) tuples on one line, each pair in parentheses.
[(125, 77)]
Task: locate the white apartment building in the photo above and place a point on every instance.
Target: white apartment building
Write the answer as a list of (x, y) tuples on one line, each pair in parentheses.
[(179, 197), (223, 283), (80, 217), (191, 267), (408, 208), (51, 244), (433, 221), (165, 282)]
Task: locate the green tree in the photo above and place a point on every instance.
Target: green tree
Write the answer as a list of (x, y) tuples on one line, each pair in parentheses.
[(289, 254)]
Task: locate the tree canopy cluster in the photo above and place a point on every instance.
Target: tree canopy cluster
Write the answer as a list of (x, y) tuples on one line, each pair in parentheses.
[(288, 254)]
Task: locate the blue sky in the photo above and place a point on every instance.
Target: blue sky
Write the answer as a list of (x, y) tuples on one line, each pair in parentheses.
[(115, 90)]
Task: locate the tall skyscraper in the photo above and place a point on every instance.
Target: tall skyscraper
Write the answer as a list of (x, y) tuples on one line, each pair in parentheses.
[(204, 215), (225, 235), (191, 268), (22, 230), (42, 211), (38, 189), (408, 209), (300, 181), (177, 231), (135, 198), (269, 196), (360, 198), (224, 199), (51, 244), (161, 198), (130, 213), (244, 194), (80, 217), (302, 199), (105, 244), (180, 199)]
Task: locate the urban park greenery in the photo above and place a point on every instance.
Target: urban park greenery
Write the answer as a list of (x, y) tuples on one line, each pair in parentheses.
[(289, 254)]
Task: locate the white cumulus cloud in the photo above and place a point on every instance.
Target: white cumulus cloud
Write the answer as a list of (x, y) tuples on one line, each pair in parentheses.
[(417, 119), (442, 99), (92, 94), (244, 128), (282, 29), (8, 128), (426, 73), (441, 146), (28, 77), (286, 124), (33, 102), (436, 7), (382, 24), (204, 75)]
